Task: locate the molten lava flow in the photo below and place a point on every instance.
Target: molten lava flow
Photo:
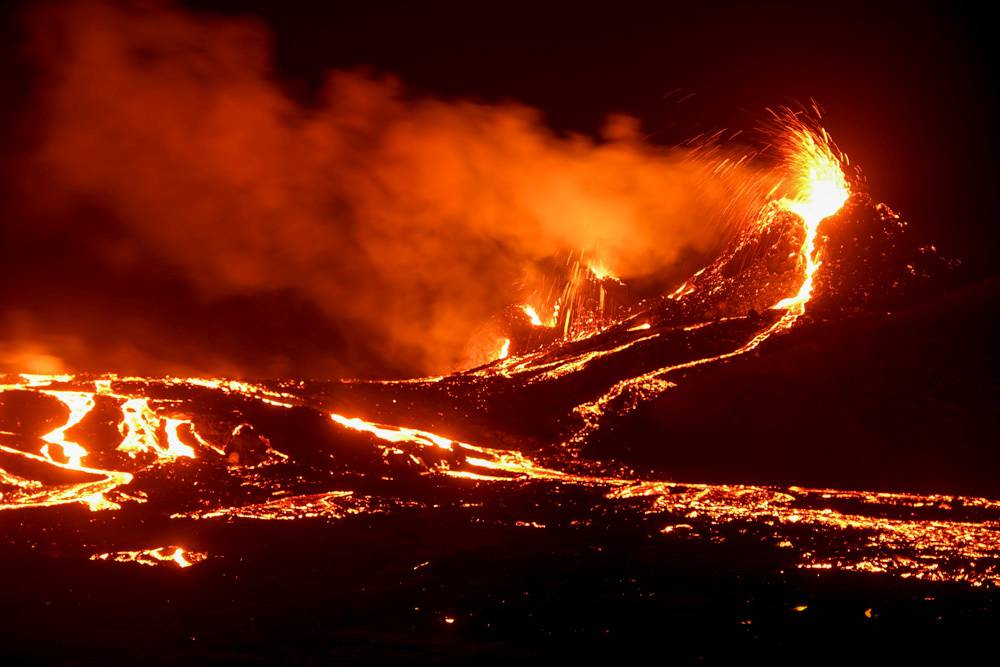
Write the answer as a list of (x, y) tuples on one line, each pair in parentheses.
[(865, 538), (480, 463), (253, 391), (928, 537), (331, 505), (79, 404), (31, 493), (174, 445), (938, 538), (171, 555), (532, 315), (814, 186), (96, 483), (821, 190), (394, 433), (140, 427), (687, 287)]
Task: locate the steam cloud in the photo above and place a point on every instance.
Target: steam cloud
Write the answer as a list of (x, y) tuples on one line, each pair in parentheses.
[(399, 225)]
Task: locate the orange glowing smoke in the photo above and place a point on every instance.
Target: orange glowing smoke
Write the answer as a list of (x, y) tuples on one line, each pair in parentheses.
[(381, 212)]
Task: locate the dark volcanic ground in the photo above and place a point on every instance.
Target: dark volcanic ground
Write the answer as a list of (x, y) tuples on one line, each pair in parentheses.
[(374, 589), (905, 401), (603, 548)]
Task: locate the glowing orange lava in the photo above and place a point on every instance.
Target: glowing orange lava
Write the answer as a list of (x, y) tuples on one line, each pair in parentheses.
[(934, 538), (170, 555), (601, 272), (536, 319), (821, 190), (926, 544), (79, 404)]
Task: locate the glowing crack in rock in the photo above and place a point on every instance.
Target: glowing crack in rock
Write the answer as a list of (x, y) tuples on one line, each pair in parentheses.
[(171, 556), (330, 505), (860, 539)]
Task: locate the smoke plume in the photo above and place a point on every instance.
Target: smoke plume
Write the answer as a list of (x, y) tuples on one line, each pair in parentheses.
[(217, 225)]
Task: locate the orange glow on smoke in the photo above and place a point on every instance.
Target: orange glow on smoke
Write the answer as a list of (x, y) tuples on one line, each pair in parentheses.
[(392, 208), (209, 147), (818, 186)]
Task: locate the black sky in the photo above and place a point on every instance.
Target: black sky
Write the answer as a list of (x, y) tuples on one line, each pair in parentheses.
[(907, 88)]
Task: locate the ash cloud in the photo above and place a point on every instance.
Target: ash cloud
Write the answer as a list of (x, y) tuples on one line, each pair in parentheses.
[(193, 218)]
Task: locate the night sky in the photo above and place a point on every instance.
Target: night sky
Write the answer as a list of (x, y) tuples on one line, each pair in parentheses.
[(907, 89)]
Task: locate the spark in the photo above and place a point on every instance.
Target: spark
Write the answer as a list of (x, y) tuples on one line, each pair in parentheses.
[(532, 315)]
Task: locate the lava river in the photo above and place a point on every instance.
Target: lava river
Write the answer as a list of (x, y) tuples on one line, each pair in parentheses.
[(133, 467)]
